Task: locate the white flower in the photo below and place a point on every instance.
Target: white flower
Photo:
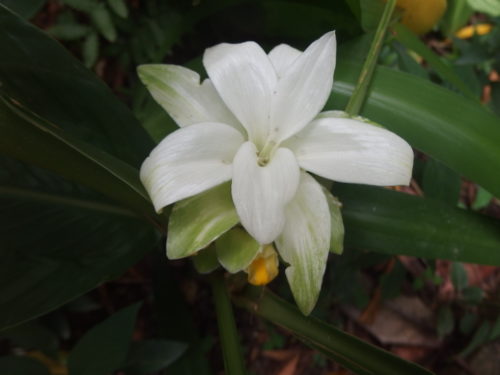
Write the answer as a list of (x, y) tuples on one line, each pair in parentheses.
[(256, 121)]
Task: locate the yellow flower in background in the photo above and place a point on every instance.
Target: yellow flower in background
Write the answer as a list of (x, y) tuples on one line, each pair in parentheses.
[(421, 15), (471, 30)]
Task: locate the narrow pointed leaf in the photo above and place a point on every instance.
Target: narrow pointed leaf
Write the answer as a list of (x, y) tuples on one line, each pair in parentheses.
[(349, 351)]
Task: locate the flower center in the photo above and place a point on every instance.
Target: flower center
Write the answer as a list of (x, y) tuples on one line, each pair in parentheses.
[(265, 154)]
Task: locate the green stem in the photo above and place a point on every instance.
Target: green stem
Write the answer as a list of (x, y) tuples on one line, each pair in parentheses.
[(349, 351), (231, 350), (365, 77)]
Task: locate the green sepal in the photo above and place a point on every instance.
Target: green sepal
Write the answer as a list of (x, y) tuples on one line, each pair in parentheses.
[(206, 261), (236, 249), (337, 224), (197, 221)]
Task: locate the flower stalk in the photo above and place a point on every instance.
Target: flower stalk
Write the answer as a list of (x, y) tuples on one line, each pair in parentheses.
[(365, 77), (228, 333)]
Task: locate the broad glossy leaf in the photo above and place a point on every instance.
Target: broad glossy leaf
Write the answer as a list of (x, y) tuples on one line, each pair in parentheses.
[(440, 182), (25, 8), (349, 351), (41, 75), (452, 129), (389, 222), (32, 139), (59, 240), (103, 349)]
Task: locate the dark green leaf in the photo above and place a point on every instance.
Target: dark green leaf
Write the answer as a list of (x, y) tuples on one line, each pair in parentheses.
[(440, 66), (25, 8), (432, 119), (495, 330), (458, 276), (36, 71), (467, 323), (59, 240), (349, 351), (119, 7), (102, 20), (90, 49), (68, 31), (371, 12), (103, 349), (394, 223), (32, 335), (14, 365), (33, 140), (445, 321), (441, 183), (456, 16), (472, 295), (151, 356), (480, 337), (85, 6)]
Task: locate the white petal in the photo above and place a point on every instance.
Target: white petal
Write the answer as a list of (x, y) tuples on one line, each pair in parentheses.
[(190, 161), (245, 78), (179, 92), (282, 57), (261, 193), (349, 150), (304, 88), (304, 242)]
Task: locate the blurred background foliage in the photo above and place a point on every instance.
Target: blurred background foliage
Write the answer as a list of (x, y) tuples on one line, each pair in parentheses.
[(419, 275)]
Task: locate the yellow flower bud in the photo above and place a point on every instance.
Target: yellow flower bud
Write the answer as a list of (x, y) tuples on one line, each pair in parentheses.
[(264, 267), (421, 15)]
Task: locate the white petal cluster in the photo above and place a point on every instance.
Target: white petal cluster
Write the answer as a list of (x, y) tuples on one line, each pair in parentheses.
[(256, 121)]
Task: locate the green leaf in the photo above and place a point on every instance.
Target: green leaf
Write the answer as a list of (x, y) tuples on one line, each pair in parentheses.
[(197, 221), (149, 356), (472, 295), (119, 7), (467, 323), (440, 66), (85, 6), (495, 330), (103, 22), (389, 222), (458, 276), (483, 198), (25, 8), (371, 11), (39, 73), (68, 31), (337, 230), (59, 240), (480, 337), (14, 365), (452, 129), (445, 321), (457, 14), (490, 7), (349, 351), (31, 139), (90, 49), (236, 249), (205, 261), (103, 349), (441, 183), (33, 335)]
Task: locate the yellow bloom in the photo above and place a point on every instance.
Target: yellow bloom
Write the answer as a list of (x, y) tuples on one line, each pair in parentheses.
[(264, 267), (421, 15), (471, 30)]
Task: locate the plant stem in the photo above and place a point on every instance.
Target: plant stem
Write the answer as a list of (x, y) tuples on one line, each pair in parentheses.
[(365, 77), (231, 350)]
